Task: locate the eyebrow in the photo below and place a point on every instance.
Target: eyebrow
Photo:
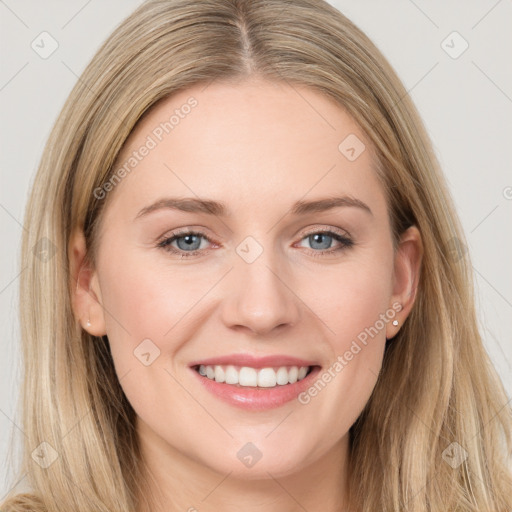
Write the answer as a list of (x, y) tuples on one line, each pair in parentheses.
[(217, 208)]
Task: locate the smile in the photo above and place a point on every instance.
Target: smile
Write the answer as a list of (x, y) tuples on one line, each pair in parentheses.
[(255, 389), (245, 376)]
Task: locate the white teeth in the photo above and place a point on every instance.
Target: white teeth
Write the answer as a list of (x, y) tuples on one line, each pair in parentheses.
[(247, 376), (267, 378), (282, 376), (231, 375), (220, 374)]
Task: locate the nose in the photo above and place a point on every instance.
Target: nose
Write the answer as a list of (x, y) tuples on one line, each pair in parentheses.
[(258, 298)]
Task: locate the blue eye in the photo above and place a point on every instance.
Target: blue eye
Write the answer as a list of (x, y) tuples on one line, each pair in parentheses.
[(189, 243), (323, 241)]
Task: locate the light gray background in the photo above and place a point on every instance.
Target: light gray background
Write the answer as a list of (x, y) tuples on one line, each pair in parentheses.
[(465, 102)]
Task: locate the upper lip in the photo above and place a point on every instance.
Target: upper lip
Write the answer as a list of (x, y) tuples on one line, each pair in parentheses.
[(253, 361)]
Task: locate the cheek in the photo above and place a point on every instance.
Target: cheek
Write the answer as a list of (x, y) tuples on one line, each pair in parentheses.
[(356, 294), (359, 304), (146, 290), (144, 302), (357, 310), (147, 313)]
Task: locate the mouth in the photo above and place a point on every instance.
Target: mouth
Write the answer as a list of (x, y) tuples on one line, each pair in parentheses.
[(249, 377), (256, 389), (255, 382)]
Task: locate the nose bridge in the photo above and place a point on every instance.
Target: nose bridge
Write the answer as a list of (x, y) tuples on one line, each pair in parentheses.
[(258, 298)]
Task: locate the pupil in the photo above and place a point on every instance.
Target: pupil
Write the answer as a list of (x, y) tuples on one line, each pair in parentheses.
[(319, 238), (189, 242)]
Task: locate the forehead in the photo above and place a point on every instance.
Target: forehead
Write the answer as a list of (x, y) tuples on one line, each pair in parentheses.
[(243, 142)]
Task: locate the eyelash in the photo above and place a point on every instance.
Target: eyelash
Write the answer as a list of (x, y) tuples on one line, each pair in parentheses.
[(165, 244)]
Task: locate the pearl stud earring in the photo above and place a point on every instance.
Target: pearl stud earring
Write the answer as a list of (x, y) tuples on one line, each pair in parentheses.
[(88, 323), (395, 322)]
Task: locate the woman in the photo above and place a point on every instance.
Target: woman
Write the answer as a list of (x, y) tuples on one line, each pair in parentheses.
[(259, 370)]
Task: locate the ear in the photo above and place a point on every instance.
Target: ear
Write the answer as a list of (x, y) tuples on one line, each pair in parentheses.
[(407, 263), (85, 289)]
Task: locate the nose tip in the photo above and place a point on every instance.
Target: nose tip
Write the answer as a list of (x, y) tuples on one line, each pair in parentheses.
[(260, 301)]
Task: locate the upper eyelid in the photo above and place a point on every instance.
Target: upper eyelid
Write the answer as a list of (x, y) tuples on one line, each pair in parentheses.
[(202, 232)]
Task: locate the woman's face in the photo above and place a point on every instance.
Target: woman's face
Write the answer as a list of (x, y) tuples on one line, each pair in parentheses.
[(297, 267)]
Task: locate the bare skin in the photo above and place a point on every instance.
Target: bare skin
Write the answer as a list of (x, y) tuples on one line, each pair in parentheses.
[(258, 147)]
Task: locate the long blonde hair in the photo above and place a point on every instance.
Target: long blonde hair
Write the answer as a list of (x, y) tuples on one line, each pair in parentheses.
[(437, 385)]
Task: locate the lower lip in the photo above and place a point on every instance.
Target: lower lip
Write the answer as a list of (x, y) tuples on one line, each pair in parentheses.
[(257, 399)]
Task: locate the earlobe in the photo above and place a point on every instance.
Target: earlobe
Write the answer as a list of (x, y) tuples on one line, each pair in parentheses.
[(407, 267), (85, 289)]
